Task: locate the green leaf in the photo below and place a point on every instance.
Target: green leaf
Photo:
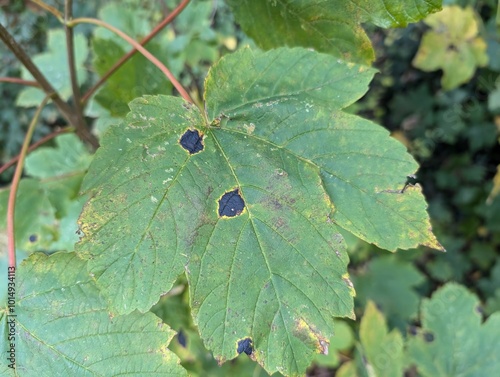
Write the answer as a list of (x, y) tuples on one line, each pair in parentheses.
[(453, 341), (330, 26), (391, 284), (232, 197), (133, 19), (34, 231), (452, 45), (383, 350), (343, 340), (63, 327), (69, 156), (361, 168), (54, 65), (136, 77)]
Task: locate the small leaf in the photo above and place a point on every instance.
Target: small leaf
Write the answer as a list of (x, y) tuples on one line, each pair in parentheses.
[(453, 341), (452, 45), (331, 26), (63, 327), (54, 65), (383, 350)]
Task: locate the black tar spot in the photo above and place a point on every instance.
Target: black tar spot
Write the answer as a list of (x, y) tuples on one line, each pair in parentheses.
[(192, 141), (231, 204), (245, 345), (181, 338), (33, 238), (428, 337), (412, 330)]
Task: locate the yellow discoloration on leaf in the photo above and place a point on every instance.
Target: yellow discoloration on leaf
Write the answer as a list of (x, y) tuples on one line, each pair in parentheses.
[(308, 335)]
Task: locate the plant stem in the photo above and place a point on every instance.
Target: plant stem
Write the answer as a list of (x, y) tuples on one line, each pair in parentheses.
[(139, 48), (132, 52), (49, 9), (34, 146), (17, 80), (68, 11), (11, 240), (63, 107)]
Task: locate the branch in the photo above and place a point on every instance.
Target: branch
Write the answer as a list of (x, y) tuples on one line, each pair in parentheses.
[(68, 10), (132, 52), (63, 107), (17, 80), (43, 140), (139, 48), (11, 206)]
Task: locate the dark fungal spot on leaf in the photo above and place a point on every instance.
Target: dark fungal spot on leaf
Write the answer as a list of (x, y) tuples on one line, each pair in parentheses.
[(181, 338), (428, 337), (245, 345), (33, 238), (231, 204), (413, 330), (192, 141)]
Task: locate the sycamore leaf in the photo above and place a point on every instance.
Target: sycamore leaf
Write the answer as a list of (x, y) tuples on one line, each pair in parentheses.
[(452, 45), (245, 197), (54, 65), (63, 327), (453, 341), (331, 26)]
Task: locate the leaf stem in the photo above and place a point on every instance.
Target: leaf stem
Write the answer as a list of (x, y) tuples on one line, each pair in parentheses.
[(49, 9), (139, 48), (20, 81), (70, 48), (11, 241), (172, 15), (63, 107), (35, 145)]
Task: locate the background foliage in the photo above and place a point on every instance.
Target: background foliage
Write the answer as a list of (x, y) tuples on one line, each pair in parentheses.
[(409, 311)]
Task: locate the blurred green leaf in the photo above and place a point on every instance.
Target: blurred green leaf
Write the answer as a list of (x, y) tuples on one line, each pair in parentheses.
[(34, 215), (136, 77), (54, 65), (383, 350), (453, 340), (330, 26), (69, 156), (390, 283), (452, 45)]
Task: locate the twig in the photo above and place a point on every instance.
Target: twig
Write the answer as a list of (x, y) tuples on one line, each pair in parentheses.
[(17, 80), (34, 146), (139, 48), (132, 52), (49, 9), (11, 240), (68, 11), (63, 107)]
